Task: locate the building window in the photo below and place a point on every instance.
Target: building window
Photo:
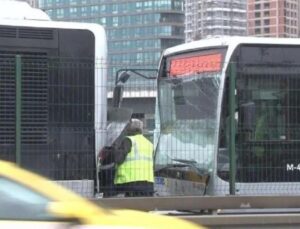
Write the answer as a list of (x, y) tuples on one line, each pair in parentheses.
[(257, 6), (73, 10), (267, 13), (257, 31), (267, 30), (266, 5), (73, 2), (94, 9), (115, 21), (103, 21), (267, 22), (286, 21), (257, 23), (139, 6), (59, 13), (257, 14), (84, 11), (295, 23)]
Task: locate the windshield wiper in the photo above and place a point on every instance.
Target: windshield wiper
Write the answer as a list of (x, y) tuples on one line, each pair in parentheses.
[(188, 162), (168, 166), (184, 163)]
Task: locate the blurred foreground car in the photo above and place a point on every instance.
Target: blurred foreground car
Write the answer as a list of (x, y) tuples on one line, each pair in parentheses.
[(30, 201)]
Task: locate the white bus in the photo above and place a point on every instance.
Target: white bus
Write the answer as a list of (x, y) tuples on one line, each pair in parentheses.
[(193, 145), (63, 95)]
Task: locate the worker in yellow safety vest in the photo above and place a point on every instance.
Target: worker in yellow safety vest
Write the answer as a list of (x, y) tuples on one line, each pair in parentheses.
[(134, 163)]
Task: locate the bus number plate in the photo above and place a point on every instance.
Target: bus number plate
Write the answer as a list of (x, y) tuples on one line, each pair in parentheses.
[(292, 167)]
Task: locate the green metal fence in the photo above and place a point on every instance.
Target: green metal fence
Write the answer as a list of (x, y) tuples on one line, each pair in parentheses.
[(235, 133), (267, 140), (263, 144), (47, 109), (53, 114), (49, 124)]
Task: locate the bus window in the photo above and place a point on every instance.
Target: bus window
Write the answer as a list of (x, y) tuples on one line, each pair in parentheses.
[(268, 107)]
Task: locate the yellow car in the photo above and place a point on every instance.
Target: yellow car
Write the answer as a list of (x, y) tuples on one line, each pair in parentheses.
[(27, 199)]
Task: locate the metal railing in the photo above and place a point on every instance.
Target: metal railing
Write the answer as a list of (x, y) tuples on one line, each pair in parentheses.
[(48, 125)]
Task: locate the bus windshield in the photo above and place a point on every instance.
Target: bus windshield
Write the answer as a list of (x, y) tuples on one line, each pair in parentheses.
[(188, 113)]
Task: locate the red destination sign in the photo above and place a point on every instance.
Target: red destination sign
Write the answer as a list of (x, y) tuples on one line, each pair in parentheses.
[(196, 64)]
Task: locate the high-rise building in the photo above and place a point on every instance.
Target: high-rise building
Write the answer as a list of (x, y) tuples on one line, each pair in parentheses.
[(137, 31), (205, 18), (273, 18)]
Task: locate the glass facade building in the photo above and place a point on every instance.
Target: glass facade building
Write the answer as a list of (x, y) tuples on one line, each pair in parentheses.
[(137, 31)]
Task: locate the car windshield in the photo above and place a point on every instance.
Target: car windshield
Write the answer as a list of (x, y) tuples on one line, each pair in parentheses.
[(19, 202), (188, 114)]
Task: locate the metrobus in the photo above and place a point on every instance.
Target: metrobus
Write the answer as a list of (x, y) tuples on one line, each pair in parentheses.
[(229, 123), (63, 95)]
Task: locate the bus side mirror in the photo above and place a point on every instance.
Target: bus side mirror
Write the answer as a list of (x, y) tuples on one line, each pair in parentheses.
[(124, 76), (117, 95), (248, 116)]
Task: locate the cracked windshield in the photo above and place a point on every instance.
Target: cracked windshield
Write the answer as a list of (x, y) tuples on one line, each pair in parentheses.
[(188, 114)]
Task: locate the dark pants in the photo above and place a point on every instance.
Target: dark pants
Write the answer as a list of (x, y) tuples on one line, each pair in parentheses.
[(136, 189)]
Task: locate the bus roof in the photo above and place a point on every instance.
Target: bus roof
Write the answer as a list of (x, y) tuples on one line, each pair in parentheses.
[(15, 13), (97, 30), (229, 41)]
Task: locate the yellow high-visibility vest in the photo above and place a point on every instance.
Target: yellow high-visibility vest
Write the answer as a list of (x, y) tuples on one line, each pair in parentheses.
[(138, 165)]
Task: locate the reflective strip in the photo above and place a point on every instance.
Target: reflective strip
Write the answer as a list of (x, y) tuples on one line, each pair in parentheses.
[(136, 155)]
